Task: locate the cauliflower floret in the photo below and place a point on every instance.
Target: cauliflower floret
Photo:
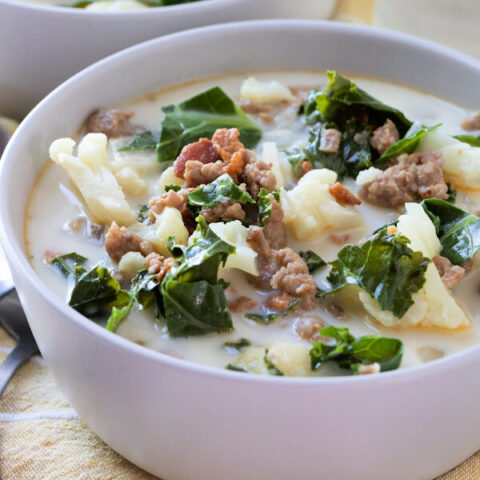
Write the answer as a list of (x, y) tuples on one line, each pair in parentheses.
[(434, 305), (235, 233), (130, 182), (280, 165), (115, 6), (367, 175), (142, 162), (292, 359), (252, 359), (168, 177), (91, 172), (310, 211), (130, 263), (257, 91), (169, 222), (461, 165)]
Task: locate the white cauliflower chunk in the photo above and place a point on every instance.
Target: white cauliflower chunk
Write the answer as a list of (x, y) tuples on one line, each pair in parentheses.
[(280, 165), (168, 223), (461, 165), (257, 91), (130, 182), (434, 305), (90, 171), (115, 6), (310, 211), (235, 233), (367, 175), (130, 263), (252, 359), (168, 177), (292, 359)]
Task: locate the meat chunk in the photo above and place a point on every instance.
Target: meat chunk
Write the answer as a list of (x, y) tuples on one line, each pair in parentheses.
[(343, 195), (242, 304), (472, 123), (228, 156), (450, 274), (414, 177), (308, 327), (274, 229), (201, 151), (330, 140), (293, 276), (278, 302), (198, 173), (113, 123), (120, 240), (158, 265), (171, 199), (283, 270), (228, 209), (258, 174), (384, 137), (231, 150)]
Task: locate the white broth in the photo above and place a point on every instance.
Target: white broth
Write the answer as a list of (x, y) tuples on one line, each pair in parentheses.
[(55, 202)]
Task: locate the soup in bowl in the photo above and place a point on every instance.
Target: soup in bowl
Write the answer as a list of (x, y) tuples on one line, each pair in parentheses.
[(270, 220)]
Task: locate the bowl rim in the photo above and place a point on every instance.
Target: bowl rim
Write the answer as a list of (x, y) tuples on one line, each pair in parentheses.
[(192, 7), (15, 250)]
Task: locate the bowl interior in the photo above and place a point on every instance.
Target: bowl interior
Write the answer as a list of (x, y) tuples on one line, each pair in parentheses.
[(202, 53)]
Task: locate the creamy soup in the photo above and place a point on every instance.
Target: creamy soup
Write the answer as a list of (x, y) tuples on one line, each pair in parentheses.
[(110, 5), (348, 226)]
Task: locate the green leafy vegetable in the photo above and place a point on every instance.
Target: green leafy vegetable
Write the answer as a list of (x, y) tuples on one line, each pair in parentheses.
[(219, 191), (272, 369), (94, 291), (234, 368), (408, 143), (142, 290), (452, 194), (172, 186), (355, 147), (142, 214), (268, 318), (458, 231), (70, 264), (235, 347), (193, 300), (199, 117), (473, 140), (265, 205), (142, 141), (296, 156), (383, 266), (351, 353), (341, 99), (313, 261)]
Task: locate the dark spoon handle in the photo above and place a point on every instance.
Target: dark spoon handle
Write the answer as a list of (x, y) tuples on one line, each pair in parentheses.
[(22, 352)]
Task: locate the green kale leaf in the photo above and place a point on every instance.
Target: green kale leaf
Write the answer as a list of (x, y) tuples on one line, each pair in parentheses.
[(383, 266), (142, 290), (350, 353), (408, 143), (235, 347), (265, 205), (268, 318), (193, 299), (142, 141), (313, 261), (219, 191), (473, 140), (341, 99), (458, 231), (200, 116)]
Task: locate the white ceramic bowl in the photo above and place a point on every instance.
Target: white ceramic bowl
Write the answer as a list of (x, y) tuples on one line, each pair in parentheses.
[(183, 421), (41, 45)]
